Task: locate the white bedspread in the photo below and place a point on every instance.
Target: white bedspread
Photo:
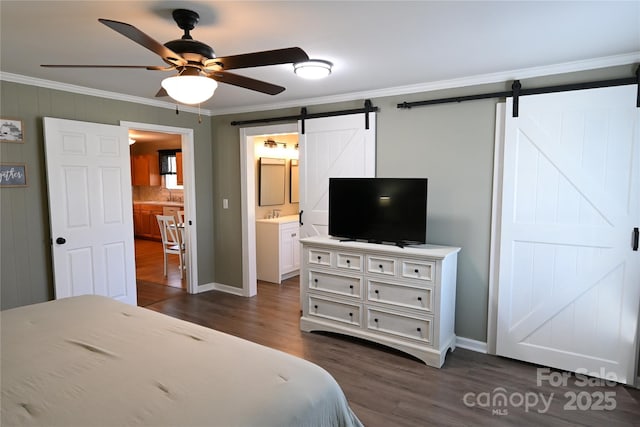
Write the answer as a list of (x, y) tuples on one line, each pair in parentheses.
[(90, 360)]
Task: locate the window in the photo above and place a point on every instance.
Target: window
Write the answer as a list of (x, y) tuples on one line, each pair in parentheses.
[(168, 169), (171, 183)]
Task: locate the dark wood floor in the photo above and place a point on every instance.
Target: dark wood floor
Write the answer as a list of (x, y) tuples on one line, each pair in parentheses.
[(387, 388), (151, 283)]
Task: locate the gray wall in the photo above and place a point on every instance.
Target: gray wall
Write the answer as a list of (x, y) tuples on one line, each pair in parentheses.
[(25, 266), (451, 144)]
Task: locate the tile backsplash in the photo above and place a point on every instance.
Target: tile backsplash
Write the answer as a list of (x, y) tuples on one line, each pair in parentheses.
[(156, 194)]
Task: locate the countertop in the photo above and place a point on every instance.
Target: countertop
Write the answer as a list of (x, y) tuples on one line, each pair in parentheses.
[(281, 219), (155, 203)]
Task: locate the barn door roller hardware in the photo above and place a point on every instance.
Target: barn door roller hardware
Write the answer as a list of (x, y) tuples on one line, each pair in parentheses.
[(304, 115), (517, 91)]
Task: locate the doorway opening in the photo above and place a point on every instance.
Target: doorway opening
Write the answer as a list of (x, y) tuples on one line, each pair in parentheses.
[(165, 201), (157, 189), (250, 139)]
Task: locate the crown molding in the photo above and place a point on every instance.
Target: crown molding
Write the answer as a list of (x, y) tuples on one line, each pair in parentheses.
[(519, 74), (49, 84)]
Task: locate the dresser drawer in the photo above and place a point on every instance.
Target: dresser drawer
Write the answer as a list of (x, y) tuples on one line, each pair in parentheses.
[(319, 257), (349, 261), (400, 295), (400, 325), (421, 270), (333, 310), (343, 285), (381, 265)]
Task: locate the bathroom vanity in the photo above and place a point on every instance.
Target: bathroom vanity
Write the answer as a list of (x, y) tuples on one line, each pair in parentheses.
[(277, 248)]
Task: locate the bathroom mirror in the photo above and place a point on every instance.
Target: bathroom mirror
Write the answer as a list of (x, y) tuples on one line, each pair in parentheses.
[(293, 182), (271, 186)]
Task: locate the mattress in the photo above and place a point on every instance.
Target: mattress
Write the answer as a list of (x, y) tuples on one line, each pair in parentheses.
[(93, 361)]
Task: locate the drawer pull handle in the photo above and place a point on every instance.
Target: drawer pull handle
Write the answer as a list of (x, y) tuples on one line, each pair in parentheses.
[(348, 261), (315, 306), (350, 286), (419, 298), (315, 280), (375, 320), (319, 257), (351, 314), (380, 267), (377, 292), (419, 329), (416, 271)]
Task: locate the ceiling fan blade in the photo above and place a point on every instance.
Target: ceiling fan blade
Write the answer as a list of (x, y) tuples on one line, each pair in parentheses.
[(162, 92), (144, 40), (146, 67), (246, 82), (259, 59)]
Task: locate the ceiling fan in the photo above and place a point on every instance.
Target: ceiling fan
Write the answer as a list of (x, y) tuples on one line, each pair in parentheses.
[(197, 61)]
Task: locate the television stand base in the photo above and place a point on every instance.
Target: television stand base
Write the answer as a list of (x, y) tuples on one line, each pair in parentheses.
[(402, 298)]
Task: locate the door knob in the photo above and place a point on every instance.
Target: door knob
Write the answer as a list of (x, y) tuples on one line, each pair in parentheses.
[(61, 240)]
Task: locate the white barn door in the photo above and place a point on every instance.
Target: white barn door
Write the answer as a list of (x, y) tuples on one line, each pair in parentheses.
[(569, 279), (89, 182), (337, 146)]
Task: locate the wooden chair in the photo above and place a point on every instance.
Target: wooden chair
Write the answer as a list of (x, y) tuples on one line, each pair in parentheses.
[(180, 217), (171, 240)]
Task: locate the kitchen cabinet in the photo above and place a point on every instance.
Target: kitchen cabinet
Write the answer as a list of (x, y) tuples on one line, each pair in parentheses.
[(172, 210), (145, 224), (179, 179), (145, 170)]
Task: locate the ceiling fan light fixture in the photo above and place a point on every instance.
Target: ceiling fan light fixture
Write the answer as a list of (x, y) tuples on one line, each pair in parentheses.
[(313, 69), (190, 89)]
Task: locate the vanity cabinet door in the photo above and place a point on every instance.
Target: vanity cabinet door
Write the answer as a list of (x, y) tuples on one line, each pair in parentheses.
[(289, 251), (277, 249)]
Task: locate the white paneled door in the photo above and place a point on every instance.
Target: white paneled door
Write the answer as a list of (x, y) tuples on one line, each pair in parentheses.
[(569, 278), (337, 146), (89, 182)]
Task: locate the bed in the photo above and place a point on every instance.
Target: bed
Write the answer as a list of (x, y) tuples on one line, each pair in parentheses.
[(90, 360)]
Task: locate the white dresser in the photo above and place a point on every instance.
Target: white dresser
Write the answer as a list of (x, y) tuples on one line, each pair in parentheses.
[(401, 297), (277, 248)]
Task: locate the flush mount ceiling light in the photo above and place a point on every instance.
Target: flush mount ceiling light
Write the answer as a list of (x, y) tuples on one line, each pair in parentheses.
[(313, 68), (189, 88)]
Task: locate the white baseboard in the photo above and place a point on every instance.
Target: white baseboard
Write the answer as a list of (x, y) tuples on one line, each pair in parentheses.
[(222, 288), (206, 287), (473, 345)]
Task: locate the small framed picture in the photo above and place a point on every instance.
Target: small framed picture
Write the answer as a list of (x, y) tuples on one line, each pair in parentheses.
[(11, 130), (13, 175)]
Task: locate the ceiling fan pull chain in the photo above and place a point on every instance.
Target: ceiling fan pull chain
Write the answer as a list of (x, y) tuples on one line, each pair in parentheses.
[(177, 112), (199, 116)]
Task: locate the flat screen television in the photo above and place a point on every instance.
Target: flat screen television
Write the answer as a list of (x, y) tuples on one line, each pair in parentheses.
[(380, 210)]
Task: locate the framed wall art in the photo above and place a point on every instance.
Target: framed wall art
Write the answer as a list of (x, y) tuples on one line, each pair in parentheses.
[(11, 130), (13, 175)]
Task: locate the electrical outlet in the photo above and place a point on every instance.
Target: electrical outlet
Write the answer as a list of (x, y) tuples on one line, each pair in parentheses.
[(225, 203)]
